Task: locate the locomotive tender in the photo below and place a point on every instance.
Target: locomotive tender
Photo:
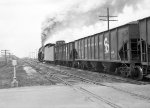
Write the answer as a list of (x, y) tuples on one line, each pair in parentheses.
[(124, 50)]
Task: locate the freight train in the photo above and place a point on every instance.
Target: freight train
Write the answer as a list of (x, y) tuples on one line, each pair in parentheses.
[(124, 50)]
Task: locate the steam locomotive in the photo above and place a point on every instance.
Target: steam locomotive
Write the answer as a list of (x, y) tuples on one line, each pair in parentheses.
[(124, 50)]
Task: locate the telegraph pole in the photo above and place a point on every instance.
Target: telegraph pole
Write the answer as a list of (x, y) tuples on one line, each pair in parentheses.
[(108, 18), (5, 53), (36, 53)]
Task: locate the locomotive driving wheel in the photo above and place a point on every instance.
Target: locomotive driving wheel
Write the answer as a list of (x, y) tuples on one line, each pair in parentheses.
[(137, 73)]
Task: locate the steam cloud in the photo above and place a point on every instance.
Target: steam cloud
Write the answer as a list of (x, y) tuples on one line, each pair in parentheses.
[(82, 13)]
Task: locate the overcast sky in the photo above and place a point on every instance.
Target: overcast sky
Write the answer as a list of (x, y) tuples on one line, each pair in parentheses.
[(21, 20)]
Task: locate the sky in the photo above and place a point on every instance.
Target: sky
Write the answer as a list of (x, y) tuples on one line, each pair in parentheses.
[(23, 22)]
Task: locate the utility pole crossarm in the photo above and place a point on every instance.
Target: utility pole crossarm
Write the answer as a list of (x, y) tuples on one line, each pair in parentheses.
[(107, 20), (108, 16)]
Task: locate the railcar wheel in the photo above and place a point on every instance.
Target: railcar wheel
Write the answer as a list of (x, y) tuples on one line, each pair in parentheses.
[(75, 64), (137, 73), (84, 65), (126, 72), (123, 71), (94, 65), (88, 66), (117, 71)]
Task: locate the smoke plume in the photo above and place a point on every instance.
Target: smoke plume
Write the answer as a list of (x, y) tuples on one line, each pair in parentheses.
[(81, 15)]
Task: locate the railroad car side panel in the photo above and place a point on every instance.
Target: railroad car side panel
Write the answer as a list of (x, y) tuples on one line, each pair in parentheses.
[(92, 47), (143, 39), (76, 48), (148, 32), (106, 46), (134, 43), (134, 31), (56, 52), (96, 47), (114, 44), (70, 51), (101, 47), (49, 53), (57, 49), (65, 56), (79, 43), (60, 52), (83, 48), (89, 48), (123, 42), (143, 29), (64, 52), (86, 49), (144, 26)]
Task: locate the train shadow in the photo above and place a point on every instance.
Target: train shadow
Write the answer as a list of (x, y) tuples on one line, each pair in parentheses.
[(146, 79)]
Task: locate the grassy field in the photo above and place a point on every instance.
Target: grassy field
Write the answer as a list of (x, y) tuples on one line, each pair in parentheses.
[(6, 76), (6, 73)]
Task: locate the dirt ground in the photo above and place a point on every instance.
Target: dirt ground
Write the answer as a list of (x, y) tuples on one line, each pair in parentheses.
[(52, 95), (24, 77)]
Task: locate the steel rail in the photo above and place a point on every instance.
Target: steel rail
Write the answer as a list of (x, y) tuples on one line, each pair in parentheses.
[(87, 92), (81, 89), (102, 84)]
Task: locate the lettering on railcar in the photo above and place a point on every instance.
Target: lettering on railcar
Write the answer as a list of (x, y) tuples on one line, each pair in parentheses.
[(106, 45)]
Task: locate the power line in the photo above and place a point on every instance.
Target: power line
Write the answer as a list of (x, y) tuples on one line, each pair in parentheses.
[(108, 18)]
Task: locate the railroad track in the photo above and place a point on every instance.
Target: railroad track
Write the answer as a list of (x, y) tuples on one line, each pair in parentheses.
[(113, 77), (99, 83), (84, 91), (102, 84), (88, 93)]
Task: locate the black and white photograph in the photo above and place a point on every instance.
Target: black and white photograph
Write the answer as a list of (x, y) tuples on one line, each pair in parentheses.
[(74, 53)]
